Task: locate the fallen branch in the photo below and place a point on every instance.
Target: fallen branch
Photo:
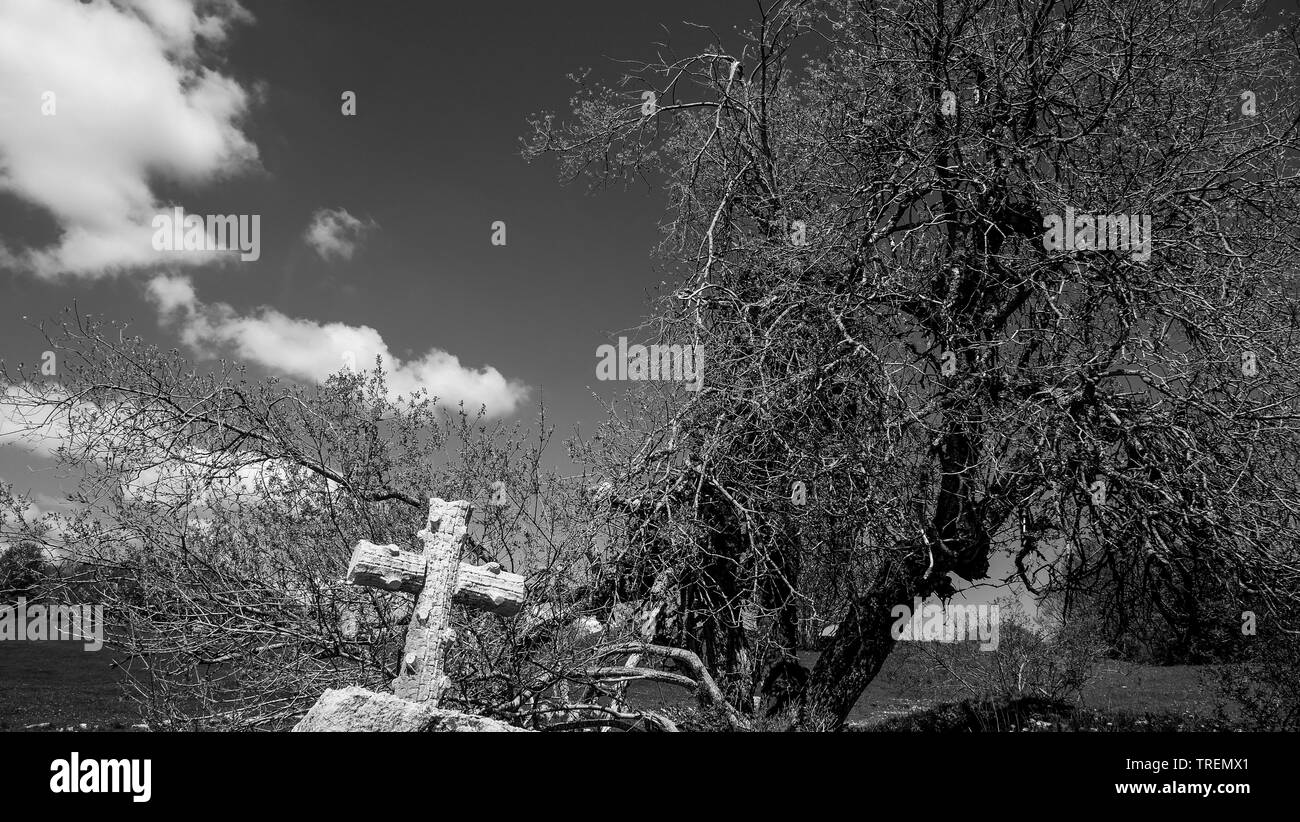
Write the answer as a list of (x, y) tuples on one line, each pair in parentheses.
[(704, 685)]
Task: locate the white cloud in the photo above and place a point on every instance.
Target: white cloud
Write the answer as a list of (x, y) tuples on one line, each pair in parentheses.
[(133, 102), (204, 478), (41, 417), (29, 421), (306, 349), (25, 425), (336, 233), (172, 294)]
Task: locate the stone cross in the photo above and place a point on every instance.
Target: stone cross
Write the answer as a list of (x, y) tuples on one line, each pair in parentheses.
[(438, 578)]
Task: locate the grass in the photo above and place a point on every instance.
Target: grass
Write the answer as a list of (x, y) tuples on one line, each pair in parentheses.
[(1037, 715), (61, 684), (1122, 696), (908, 682)]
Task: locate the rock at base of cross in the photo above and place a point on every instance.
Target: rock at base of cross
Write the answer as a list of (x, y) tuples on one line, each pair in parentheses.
[(357, 709)]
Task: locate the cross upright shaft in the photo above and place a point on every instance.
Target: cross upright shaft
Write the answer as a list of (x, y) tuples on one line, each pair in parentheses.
[(421, 678), (438, 579)]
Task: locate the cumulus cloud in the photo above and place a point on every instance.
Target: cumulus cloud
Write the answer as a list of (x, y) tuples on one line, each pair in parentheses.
[(27, 426), (334, 233), (184, 475), (41, 418), (307, 349), (133, 102), (205, 478)]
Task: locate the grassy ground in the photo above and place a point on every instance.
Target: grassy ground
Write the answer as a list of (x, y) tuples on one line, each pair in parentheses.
[(61, 684), (910, 682), (907, 683)]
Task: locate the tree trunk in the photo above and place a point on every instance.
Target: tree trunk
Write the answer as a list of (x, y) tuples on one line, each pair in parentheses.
[(853, 658)]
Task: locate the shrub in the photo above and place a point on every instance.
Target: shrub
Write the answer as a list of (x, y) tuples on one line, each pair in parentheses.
[(22, 568), (1052, 665), (1267, 685)]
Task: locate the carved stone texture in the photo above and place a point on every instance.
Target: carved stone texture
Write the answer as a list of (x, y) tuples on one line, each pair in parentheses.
[(484, 587), (421, 677), (437, 578), (360, 710)]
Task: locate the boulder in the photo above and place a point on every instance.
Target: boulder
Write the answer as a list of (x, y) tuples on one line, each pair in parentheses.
[(357, 709)]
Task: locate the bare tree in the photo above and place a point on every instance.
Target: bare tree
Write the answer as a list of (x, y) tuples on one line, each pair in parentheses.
[(214, 516), (863, 196)]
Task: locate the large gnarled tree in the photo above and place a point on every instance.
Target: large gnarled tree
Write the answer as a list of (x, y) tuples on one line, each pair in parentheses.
[(859, 197)]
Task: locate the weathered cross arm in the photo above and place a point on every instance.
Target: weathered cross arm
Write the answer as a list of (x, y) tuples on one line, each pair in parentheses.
[(437, 578), (481, 587)]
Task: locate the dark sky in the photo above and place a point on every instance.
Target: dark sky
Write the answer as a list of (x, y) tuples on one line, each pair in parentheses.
[(429, 162), (432, 157), (194, 103)]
